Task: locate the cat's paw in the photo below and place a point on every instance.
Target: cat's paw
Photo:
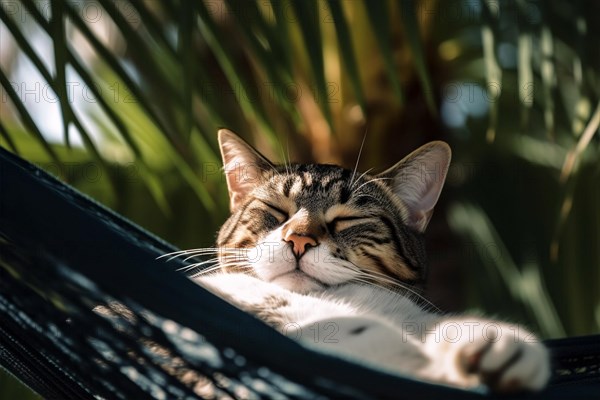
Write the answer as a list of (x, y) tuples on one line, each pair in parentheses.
[(507, 361)]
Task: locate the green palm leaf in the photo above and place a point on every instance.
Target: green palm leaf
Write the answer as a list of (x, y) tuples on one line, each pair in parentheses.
[(378, 14), (411, 26), (347, 51)]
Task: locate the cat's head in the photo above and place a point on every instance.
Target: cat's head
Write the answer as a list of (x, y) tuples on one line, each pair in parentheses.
[(309, 226)]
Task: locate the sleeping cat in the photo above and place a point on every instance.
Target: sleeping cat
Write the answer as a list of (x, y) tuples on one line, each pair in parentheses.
[(333, 258)]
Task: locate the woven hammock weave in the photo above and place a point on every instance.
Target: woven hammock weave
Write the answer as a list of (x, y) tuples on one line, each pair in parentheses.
[(157, 334)]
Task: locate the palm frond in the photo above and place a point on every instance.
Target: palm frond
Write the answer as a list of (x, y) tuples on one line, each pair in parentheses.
[(409, 18), (347, 51), (378, 14)]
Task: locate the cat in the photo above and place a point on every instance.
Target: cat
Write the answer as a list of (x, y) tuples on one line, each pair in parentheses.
[(334, 259)]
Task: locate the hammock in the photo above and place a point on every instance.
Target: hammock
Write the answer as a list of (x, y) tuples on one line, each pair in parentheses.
[(160, 335)]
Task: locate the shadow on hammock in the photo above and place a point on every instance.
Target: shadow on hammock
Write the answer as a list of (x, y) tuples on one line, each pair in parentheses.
[(62, 255)]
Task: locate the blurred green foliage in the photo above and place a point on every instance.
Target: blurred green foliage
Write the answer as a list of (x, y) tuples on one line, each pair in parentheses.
[(123, 100)]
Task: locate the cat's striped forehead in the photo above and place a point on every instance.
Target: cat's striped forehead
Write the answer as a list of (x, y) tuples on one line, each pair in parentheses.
[(322, 186)]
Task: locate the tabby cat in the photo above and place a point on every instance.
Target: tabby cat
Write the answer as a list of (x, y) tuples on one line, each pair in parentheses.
[(312, 245)]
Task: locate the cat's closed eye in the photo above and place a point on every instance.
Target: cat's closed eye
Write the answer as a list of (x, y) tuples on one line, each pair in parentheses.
[(277, 212), (341, 223)]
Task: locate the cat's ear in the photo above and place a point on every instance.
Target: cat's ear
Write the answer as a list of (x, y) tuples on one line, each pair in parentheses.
[(418, 180), (243, 166)]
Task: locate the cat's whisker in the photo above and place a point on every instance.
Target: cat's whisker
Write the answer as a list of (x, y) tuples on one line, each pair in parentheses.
[(361, 275), (388, 284), (360, 177), (223, 256), (364, 277), (272, 169), (187, 251), (235, 262), (171, 254), (382, 276), (378, 276), (197, 252), (207, 270), (191, 257), (371, 282), (210, 260), (187, 254), (194, 265), (358, 158), (287, 162), (212, 264), (221, 267), (221, 259), (365, 281), (371, 181)]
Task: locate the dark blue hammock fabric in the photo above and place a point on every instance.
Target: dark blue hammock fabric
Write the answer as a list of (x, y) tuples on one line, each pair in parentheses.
[(157, 334)]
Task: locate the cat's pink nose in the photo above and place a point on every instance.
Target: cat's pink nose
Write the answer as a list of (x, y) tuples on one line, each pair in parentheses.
[(300, 243)]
